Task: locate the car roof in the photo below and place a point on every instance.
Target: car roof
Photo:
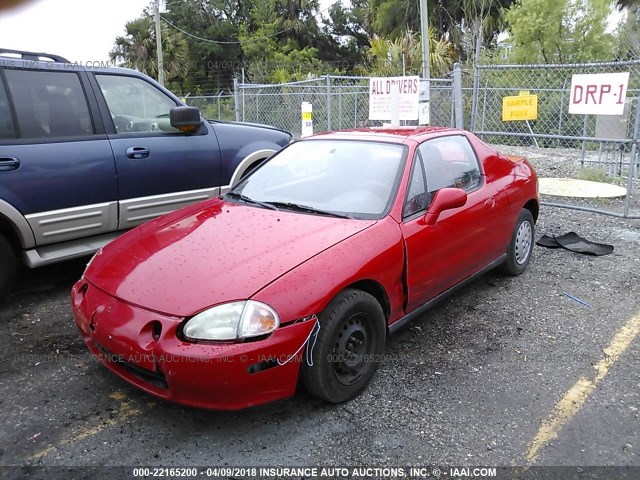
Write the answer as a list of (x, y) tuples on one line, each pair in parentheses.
[(389, 134)]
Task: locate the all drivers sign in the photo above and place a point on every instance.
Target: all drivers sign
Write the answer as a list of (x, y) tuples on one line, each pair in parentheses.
[(381, 91), (598, 93)]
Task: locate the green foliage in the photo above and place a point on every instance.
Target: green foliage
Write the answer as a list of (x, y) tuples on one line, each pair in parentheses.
[(137, 49), (213, 41), (629, 34), (595, 175), (387, 57), (560, 31)]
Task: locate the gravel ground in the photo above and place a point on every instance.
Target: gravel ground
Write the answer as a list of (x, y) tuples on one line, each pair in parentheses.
[(566, 163)]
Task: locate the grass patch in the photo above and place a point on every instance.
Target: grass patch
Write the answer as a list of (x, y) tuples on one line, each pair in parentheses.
[(595, 175)]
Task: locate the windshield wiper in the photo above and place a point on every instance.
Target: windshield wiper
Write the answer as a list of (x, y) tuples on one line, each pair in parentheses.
[(305, 208), (245, 199)]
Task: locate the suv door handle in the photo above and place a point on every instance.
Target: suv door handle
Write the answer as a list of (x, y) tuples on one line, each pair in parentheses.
[(9, 163), (137, 152), (490, 202)]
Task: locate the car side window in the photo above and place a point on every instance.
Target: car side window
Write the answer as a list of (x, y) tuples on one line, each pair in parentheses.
[(417, 196), (136, 105), (49, 104), (450, 162), (7, 129)]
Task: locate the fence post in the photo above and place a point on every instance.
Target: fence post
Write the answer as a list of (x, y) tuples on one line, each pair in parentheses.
[(564, 89), (633, 159), (475, 95), (236, 98), (457, 95), (584, 143), (328, 102)]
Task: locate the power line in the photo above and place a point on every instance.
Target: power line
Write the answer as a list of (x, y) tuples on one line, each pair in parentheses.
[(220, 42)]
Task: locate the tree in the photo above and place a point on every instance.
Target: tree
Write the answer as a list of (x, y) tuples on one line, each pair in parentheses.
[(560, 31), (627, 3), (454, 20), (389, 57), (213, 25), (463, 21), (629, 34), (137, 49)]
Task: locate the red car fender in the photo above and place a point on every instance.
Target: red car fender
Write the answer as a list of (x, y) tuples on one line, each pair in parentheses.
[(375, 254)]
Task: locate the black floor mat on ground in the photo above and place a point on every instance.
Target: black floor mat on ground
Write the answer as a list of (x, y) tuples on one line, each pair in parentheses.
[(572, 241)]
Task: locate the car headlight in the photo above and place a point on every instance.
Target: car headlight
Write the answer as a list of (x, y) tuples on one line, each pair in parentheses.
[(232, 321)]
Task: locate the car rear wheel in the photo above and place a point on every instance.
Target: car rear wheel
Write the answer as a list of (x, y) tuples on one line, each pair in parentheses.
[(521, 246), (346, 352), (8, 270)]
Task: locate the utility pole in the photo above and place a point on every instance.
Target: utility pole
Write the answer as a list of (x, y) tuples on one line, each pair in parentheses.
[(159, 44), (424, 33), (424, 113)]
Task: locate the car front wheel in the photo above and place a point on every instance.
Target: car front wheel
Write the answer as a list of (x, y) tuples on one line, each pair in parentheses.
[(345, 354), (8, 270), (521, 246)]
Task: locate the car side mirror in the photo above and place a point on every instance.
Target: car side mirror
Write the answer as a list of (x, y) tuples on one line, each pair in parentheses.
[(445, 199), (185, 119)]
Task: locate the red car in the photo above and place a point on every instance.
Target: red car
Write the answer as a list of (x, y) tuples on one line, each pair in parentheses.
[(303, 268)]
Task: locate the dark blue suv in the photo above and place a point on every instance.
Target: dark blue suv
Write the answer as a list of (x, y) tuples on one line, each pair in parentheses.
[(86, 153)]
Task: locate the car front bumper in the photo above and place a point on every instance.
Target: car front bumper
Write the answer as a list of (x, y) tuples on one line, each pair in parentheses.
[(143, 348)]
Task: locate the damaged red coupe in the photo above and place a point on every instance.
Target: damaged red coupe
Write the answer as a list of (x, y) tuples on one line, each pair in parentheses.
[(301, 271)]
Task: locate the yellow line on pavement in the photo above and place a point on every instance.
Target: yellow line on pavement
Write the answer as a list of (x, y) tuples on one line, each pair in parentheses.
[(577, 395), (125, 410)]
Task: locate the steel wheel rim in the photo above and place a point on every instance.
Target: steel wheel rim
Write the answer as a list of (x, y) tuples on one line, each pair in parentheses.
[(524, 241), (351, 349)]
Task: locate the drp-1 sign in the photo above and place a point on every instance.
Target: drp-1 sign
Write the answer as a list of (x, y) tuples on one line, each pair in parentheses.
[(598, 93)]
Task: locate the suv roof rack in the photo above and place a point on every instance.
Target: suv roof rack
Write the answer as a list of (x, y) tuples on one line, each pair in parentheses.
[(34, 56)]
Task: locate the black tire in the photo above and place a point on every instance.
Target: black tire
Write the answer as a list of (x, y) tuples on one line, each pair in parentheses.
[(8, 269), (348, 347), (521, 245)]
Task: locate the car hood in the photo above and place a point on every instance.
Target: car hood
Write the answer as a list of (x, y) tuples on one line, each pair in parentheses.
[(213, 254)]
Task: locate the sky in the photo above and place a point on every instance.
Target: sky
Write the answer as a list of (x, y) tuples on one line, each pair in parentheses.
[(79, 30)]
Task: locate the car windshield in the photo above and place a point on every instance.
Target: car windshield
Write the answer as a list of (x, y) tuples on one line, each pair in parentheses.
[(347, 178)]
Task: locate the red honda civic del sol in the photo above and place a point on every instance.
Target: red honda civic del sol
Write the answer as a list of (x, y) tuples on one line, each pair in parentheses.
[(303, 268)]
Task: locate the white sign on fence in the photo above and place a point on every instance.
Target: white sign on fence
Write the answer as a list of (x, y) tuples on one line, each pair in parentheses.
[(307, 119), (380, 97), (598, 93)]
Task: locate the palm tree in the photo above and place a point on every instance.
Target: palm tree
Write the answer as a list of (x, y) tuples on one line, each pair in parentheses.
[(403, 55), (137, 49)]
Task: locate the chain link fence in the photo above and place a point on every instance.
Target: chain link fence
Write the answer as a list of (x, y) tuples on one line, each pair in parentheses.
[(214, 107), (339, 102), (562, 146)]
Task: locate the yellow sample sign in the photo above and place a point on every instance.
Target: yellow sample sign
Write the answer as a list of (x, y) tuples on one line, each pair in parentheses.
[(306, 115), (522, 107)]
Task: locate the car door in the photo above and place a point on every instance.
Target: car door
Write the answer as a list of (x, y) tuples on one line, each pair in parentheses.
[(441, 255), (159, 168), (56, 164)]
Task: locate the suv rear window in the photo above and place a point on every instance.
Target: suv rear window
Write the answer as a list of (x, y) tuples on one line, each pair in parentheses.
[(7, 130), (49, 104)]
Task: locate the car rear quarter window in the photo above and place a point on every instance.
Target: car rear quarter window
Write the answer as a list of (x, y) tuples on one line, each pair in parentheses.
[(7, 129), (136, 105), (450, 162), (49, 104)]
